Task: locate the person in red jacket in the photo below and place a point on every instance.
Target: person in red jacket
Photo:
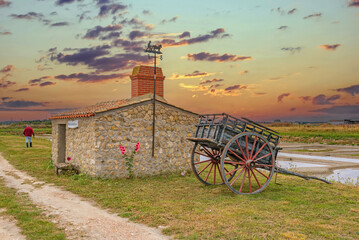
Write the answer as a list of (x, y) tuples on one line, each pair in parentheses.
[(28, 133)]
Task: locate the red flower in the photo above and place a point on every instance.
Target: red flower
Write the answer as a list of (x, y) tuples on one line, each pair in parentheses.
[(68, 159), (123, 149), (137, 146)]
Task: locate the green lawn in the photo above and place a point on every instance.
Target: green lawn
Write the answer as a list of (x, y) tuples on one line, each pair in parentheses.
[(297, 209)]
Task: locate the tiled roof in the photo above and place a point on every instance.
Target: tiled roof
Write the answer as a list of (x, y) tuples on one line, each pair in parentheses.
[(91, 110)]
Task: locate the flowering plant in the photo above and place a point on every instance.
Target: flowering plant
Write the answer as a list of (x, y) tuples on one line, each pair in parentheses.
[(129, 158)]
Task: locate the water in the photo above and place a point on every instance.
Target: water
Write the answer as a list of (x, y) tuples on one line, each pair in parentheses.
[(292, 164), (345, 176), (326, 158)]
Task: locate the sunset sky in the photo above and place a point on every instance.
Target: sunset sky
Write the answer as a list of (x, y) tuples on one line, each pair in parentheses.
[(261, 59)]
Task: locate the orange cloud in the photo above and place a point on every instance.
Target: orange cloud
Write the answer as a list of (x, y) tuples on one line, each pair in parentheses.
[(330, 46), (195, 74)]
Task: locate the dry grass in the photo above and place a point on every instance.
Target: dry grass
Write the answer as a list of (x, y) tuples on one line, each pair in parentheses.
[(318, 133)]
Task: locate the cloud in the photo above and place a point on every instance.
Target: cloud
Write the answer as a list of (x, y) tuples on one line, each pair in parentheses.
[(21, 103), (83, 55), (62, 2), (343, 111), (59, 24), (129, 46), (313, 15), (135, 22), (195, 74), (4, 3), (305, 99), (283, 76), (280, 97), (22, 89), (28, 16), (146, 12), (282, 28), (352, 90), (293, 109), (5, 98), (31, 16), (292, 11), (7, 68), (95, 32), (110, 9), (170, 20), (235, 87), (243, 72), (6, 84), (83, 16), (136, 34), (215, 57), (91, 78), (291, 49), (5, 33), (213, 89), (211, 81), (332, 47), (218, 33), (184, 35), (37, 81), (48, 83), (284, 12), (324, 100), (354, 3)]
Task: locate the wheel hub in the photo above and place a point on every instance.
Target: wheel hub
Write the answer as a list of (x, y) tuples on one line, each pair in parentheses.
[(249, 164)]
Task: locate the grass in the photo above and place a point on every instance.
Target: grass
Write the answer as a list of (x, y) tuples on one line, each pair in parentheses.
[(29, 218), (320, 133), (189, 210)]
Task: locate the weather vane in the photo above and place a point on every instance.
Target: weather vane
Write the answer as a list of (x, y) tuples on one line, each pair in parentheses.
[(156, 50)]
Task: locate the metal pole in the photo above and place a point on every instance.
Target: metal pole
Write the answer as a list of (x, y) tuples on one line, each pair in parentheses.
[(154, 111)]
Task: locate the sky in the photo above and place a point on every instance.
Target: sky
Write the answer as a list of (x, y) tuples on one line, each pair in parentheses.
[(261, 59)]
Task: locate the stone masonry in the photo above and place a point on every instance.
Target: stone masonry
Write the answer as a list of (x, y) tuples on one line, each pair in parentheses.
[(94, 145)]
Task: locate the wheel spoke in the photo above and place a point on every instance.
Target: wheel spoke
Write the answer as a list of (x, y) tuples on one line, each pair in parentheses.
[(209, 160), (247, 146), (239, 146), (265, 165), (204, 168), (262, 157), (236, 155), (255, 177), (237, 177), (209, 154), (214, 175), (209, 172), (234, 170), (253, 146), (265, 144), (261, 173), (234, 163), (249, 179), (202, 154), (244, 179), (220, 173)]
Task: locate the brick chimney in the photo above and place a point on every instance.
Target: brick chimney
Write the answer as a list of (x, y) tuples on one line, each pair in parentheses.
[(142, 79)]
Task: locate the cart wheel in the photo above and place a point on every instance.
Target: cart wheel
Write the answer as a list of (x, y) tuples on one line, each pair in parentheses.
[(255, 160), (206, 165)]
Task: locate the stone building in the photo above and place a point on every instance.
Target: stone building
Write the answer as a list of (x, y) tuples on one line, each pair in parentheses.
[(91, 136)]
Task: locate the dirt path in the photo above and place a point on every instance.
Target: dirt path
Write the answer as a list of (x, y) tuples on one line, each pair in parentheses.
[(79, 218)]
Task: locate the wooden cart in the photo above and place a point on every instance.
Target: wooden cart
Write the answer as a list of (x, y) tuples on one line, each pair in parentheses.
[(237, 152)]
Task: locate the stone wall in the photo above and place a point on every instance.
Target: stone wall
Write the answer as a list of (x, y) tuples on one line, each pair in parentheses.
[(79, 144), (132, 124)]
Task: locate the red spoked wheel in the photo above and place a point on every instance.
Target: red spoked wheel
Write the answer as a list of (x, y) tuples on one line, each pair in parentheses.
[(255, 161), (206, 165)]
